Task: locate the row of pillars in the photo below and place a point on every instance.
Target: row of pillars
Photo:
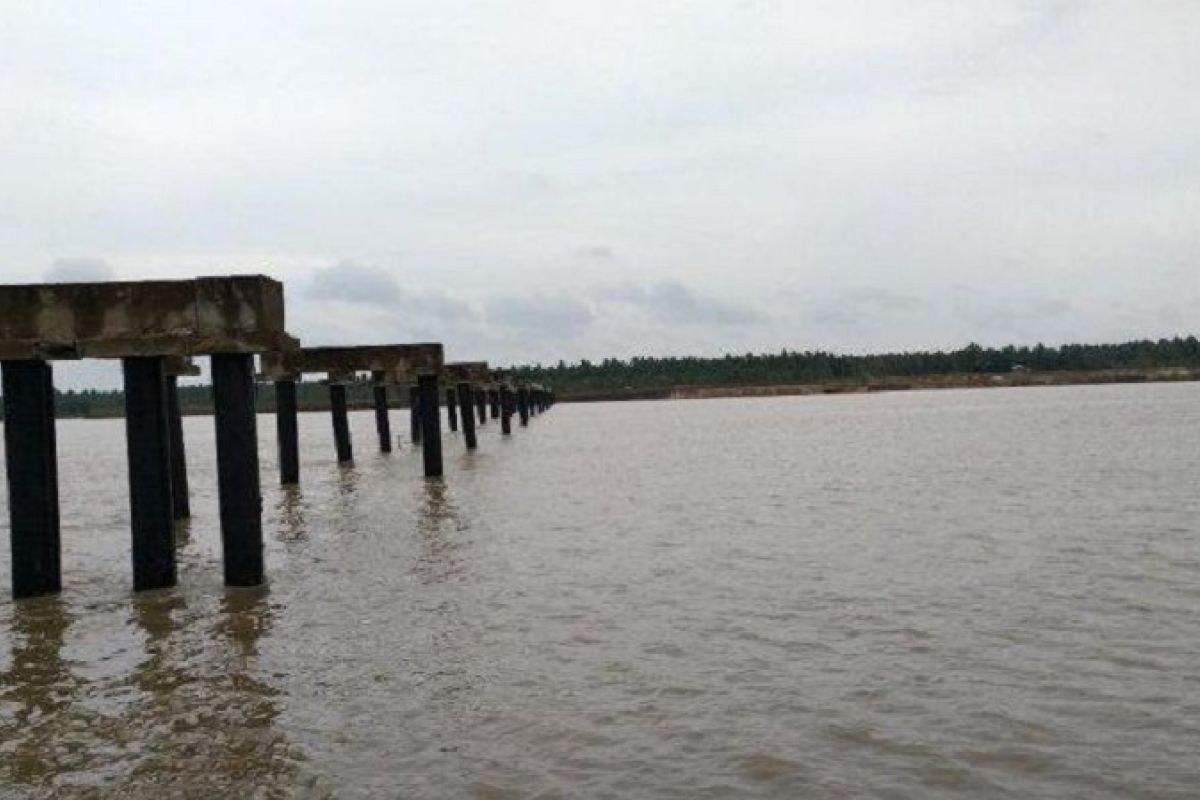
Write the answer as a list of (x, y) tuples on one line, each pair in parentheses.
[(158, 485), (158, 479), (464, 401)]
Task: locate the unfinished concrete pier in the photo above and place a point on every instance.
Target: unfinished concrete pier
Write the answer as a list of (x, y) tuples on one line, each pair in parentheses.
[(145, 324), (466, 376), (388, 365)]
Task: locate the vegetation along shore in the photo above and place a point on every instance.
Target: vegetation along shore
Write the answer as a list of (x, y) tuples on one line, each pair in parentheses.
[(784, 373)]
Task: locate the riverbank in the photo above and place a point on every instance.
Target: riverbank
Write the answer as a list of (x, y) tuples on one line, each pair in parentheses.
[(971, 380), (895, 383)]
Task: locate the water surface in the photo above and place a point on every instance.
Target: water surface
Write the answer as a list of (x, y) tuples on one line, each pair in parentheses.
[(912, 595)]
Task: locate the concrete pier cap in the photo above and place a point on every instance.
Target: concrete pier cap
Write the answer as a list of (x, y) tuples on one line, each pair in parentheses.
[(120, 319), (389, 364)]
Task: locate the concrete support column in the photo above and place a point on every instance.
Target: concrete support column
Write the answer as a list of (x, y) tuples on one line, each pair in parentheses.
[(465, 396), (523, 404), (431, 424), (506, 410), (180, 503), (414, 414), (382, 424), (452, 408), (32, 463), (287, 432), (494, 402), (238, 490), (341, 423), (481, 405), (147, 436)]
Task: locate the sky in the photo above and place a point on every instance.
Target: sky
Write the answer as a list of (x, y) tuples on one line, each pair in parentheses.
[(534, 181)]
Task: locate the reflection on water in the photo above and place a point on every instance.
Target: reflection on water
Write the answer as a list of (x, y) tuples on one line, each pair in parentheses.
[(35, 690), (930, 595), (183, 532), (290, 514), (192, 715)]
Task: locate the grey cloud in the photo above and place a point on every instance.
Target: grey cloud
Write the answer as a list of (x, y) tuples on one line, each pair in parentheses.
[(597, 252), (79, 270), (436, 304), (554, 315), (354, 284), (674, 303), (863, 307), (374, 286), (1013, 317)]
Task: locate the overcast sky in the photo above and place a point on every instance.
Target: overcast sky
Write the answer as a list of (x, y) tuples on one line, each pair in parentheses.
[(541, 180)]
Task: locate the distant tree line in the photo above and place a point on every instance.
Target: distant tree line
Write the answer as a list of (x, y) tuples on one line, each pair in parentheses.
[(785, 367), (197, 399), (809, 367)]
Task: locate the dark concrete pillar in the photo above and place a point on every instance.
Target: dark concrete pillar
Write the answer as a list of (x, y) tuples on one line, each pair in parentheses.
[(452, 408), (31, 459), (481, 405), (431, 424), (341, 423), (148, 444), (287, 432), (523, 404), (494, 402), (414, 414), (465, 395), (238, 491), (506, 404), (180, 504), (382, 423)]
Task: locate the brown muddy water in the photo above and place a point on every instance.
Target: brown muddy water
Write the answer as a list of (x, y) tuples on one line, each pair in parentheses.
[(916, 595)]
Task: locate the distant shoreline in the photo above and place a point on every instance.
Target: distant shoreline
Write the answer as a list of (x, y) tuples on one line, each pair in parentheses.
[(895, 383)]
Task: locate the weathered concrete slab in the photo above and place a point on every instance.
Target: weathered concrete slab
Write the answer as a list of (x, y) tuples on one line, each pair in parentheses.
[(391, 363), (234, 314), (467, 372)]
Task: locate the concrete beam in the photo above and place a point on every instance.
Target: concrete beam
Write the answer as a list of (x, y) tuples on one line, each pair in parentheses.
[(474, 372), (121, 319), (390, 364)]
